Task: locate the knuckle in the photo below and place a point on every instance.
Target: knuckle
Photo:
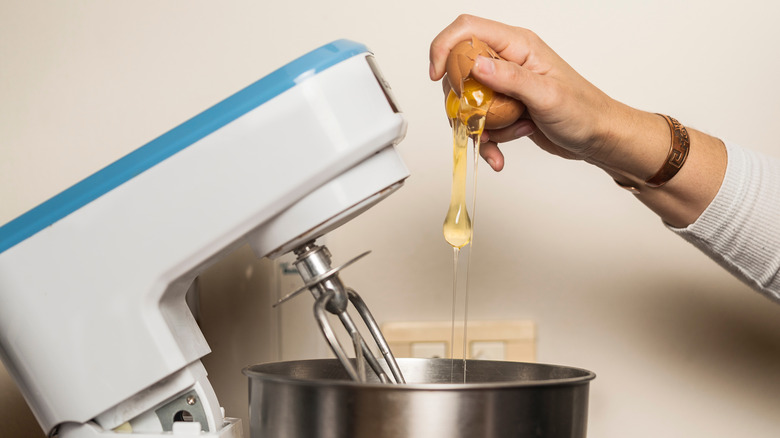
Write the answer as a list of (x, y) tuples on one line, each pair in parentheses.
[(464, 20), (513, 74), (531, 36)]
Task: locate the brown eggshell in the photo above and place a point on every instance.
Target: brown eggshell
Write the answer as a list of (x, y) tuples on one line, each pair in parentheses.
[(504, 110), (462, 58)]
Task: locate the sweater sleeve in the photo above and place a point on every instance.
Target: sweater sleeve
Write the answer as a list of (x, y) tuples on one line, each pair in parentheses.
[(740, 229)]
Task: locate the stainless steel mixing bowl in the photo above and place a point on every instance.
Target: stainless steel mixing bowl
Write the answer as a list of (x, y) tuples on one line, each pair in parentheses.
[(316, 399)]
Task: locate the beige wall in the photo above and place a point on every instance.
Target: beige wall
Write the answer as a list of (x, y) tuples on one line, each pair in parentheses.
[(680, 348)]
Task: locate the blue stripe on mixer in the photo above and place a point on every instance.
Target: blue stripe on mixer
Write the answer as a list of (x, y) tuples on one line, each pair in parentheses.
[(174, 141)]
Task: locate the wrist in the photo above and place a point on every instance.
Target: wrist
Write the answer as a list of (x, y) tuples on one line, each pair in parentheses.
[(644, 146), (635, 145)]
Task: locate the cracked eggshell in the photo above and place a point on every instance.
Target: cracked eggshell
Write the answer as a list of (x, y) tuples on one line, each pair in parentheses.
[(461, 59), (504, 110)]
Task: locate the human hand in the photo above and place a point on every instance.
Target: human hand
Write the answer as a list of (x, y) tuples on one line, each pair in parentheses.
[(566, 115)]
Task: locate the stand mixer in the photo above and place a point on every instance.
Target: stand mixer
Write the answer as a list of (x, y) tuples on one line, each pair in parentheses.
[(94, 327)]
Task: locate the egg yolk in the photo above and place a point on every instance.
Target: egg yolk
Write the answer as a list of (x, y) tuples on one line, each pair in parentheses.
[(473, 104)]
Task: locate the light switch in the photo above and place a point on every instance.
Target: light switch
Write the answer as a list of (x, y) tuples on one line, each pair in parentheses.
[(488, 350)]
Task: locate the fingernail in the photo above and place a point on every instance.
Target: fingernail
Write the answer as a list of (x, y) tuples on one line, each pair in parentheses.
[(491, 162), (484, 138), (431, 71), (485, 65)]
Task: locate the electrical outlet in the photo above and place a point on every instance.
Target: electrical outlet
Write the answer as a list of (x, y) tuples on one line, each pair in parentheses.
[(429, 350), (490, 340)]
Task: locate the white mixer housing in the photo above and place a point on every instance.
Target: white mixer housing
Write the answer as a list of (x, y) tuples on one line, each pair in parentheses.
[(93, 323)]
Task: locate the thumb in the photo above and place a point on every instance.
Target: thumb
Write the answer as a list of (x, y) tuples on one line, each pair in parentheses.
[(511, 79)]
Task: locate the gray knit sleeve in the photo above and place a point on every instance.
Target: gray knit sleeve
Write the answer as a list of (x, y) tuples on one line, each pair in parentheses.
[(740, 229)]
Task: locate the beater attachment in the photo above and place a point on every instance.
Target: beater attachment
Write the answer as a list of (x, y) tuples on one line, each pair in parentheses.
[(314, 266)]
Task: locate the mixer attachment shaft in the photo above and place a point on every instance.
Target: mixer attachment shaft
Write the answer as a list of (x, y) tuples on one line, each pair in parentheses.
[(313, 263)]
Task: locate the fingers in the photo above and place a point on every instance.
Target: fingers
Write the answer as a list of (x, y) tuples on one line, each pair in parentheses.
[(489, 148), (508, 41), (492, 155), (519, 129), (515, 81), (520, 76)]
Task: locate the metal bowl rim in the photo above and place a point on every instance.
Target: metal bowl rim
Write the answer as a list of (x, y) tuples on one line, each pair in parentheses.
[(584, 379)]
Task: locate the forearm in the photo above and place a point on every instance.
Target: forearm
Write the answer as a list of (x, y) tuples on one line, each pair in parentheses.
[(637, 144)]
